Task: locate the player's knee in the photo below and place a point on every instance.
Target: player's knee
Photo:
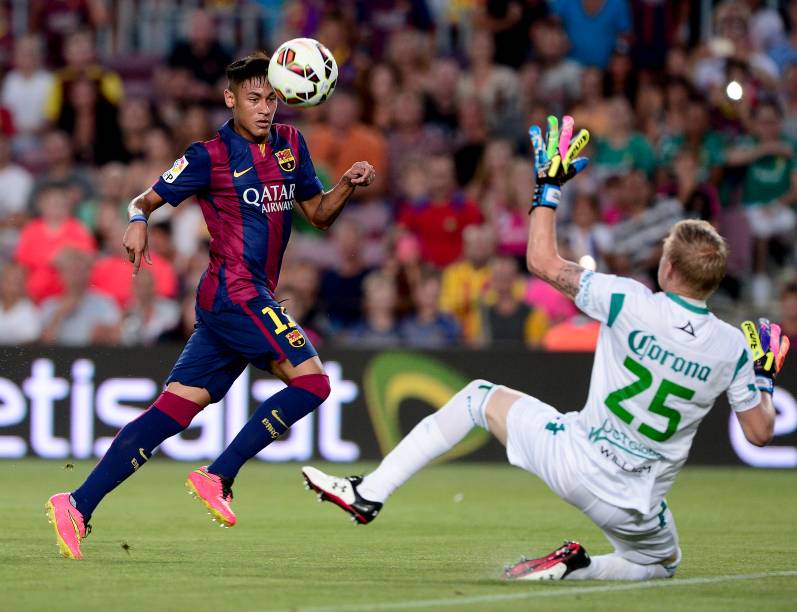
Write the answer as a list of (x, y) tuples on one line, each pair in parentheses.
[(317, 384), (475, 395)]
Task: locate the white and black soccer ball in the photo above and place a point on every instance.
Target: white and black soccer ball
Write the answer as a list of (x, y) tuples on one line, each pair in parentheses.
[(303, 72)]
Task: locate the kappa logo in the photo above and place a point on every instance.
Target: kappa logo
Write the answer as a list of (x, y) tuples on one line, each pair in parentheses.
[(285, 160), (688, 329), (177, 167), (295, 338)]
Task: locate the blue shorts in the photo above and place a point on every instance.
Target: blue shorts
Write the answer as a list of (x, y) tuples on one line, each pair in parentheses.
[(224, 342)]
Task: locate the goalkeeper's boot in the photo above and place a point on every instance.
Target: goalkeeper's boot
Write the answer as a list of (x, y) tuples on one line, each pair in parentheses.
[(555, 566), (214, 492), (343, 493), (70, 526)]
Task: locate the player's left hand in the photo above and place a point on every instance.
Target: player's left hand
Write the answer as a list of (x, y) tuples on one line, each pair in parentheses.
[(361, 174), (556, 160), (769, 348)]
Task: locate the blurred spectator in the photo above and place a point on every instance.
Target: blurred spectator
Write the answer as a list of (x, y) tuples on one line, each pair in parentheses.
[(697, 196), (379, 19), (111, 199), (201, 57), (577, 334), (57, 19), (15, 188), (789, 95), (585, 236), (80, 316), (472, 140), (509, 21), (592, 111), (405, 266), (622, 148), (636, 241), (379, 328), (438, 223), (512, 216), (783, 49), (149, 315), (505, 318), (112, 273), (341, 288), (82, 65), (60, 169), (788, 311), (547, 299), (560, 78), (410, 138), (619, 78), (44, 237), (194, 126), (769, 190), (135, 119), (730, 45), (440, 101), (159, 155), (342, 140), (463, 282), (25, 90), (427, 327), (92, 122), (410, 52), (380, 92), (493, 85), (20, 321), (593, 27), (707, 146)]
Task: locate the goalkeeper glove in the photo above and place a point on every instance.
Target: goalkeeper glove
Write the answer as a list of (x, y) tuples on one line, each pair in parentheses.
[(555, 161), (769, 350)]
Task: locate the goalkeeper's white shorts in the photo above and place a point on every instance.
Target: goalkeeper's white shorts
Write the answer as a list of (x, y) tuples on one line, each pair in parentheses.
[(536, 443)]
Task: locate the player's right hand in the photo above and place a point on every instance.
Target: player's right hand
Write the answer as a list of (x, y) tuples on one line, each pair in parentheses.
[(555, 160), (136, 244), (769, 348)]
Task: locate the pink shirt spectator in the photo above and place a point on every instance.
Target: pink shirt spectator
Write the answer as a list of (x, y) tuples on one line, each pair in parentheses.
[(556, 306)]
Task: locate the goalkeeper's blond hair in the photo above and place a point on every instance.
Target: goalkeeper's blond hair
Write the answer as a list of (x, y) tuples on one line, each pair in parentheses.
[(698, 253)]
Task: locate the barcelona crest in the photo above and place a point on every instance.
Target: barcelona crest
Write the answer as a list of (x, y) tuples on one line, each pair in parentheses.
[(286, 160), (295, 337)]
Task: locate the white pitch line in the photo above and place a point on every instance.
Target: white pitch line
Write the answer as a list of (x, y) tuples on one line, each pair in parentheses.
[(547, 593)]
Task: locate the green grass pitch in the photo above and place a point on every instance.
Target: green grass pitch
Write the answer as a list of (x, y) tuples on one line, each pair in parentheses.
[(440, 543)]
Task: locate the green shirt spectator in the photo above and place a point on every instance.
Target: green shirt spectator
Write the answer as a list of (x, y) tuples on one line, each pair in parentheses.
[(768, 177), (623, 149), (711, 152)]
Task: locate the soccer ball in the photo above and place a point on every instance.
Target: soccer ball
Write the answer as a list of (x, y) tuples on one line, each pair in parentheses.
[(303, 72)]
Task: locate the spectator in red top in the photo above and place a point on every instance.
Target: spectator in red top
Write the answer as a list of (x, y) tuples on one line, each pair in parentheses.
[(438, 222), (43, 238), (111, 272)]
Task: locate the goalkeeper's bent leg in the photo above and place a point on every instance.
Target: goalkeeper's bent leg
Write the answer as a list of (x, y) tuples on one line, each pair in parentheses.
[(615, 567), (433, 436)]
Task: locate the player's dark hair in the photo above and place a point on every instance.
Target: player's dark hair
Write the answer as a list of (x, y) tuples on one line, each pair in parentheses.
[(252, 67)]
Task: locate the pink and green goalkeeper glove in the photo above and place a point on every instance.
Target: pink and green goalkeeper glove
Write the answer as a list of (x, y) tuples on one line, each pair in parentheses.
[(769, 348)]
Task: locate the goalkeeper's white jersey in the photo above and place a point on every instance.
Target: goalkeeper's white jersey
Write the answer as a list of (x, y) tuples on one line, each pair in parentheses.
[(660, 363)]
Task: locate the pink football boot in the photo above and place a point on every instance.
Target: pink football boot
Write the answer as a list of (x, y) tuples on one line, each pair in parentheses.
[(69, 525), (212, 491)]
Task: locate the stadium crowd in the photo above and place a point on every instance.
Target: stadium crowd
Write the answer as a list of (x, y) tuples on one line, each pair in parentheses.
[(438, 97)]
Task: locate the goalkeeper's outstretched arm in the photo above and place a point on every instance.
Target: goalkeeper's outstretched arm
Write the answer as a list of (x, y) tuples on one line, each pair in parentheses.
[(542, 256)]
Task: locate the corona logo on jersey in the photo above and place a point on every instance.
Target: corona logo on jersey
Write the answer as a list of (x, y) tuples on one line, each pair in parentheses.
[(644, 345), (286, 160), (272, 198), (296, 338)]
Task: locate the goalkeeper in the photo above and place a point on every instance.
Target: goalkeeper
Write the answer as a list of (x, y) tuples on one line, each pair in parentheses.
[(661, 361)]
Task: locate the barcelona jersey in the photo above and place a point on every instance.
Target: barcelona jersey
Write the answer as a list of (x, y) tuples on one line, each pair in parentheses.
[(247, 192)]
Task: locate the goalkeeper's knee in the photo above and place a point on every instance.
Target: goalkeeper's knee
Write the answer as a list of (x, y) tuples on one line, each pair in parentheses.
[(475, 396)]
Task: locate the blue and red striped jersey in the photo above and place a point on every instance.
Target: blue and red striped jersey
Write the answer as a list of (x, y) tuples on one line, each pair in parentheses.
[(247, 192)]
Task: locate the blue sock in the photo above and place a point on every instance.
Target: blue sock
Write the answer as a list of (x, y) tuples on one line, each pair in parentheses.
[(269, 422), (130, 449)]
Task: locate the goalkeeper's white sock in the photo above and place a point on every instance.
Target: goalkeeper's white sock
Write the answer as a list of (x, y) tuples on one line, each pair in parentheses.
[(614, 567), (433, 436)]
